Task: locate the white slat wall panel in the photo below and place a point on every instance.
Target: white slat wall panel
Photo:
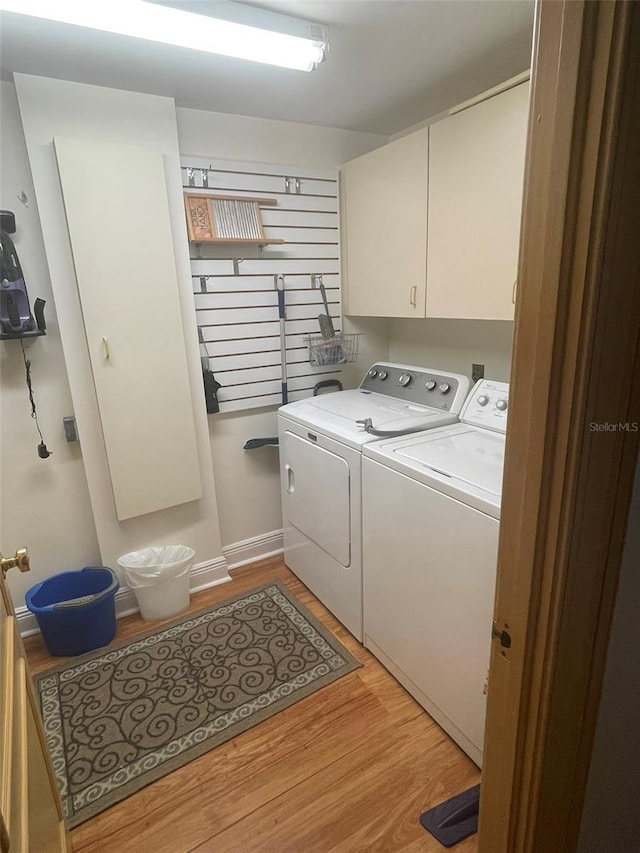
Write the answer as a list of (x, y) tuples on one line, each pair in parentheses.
[(276, 261), (235, 297)]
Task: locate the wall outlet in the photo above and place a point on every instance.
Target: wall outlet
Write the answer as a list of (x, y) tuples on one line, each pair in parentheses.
[(477, 372), (70, 428)]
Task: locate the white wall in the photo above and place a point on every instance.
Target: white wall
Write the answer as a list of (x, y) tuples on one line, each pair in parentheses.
[(259, 140), (248, 482), (454, 345), (57, 107), (611, 814), (44, 503)]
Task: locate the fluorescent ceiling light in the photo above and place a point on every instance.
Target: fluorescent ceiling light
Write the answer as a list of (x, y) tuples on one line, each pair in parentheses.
[(153, 22)]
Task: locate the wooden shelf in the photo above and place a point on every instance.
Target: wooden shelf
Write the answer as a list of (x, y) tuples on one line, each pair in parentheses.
[(246, 240), (256, 199), (226, 219)]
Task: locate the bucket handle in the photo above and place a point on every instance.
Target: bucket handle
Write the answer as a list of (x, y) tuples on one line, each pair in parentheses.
[(83, 600)]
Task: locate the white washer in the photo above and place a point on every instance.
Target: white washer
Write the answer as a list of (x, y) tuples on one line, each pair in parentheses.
[(431, 509), (321, 441)]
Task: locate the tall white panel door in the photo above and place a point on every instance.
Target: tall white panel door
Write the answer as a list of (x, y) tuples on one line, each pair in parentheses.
[(476, 176), (117, 212)]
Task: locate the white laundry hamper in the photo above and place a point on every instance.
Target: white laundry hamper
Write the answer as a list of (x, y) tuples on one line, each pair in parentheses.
[(159, 577)]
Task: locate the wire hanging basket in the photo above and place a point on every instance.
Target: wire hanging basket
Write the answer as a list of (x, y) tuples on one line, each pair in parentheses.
[(339, 349)]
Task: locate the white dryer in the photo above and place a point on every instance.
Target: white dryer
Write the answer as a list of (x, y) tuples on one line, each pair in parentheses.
[(321, 441), (431, 509)]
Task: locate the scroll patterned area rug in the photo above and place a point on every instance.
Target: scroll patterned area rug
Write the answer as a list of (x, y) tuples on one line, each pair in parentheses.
[(119, 718)]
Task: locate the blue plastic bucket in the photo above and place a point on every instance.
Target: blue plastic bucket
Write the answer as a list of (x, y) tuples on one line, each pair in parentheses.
[(75, 610)]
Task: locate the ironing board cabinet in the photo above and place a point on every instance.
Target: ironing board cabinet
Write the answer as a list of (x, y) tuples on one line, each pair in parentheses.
[(117, 212)]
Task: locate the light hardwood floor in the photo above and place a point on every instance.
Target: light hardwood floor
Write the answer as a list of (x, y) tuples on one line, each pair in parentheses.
[(346, 770)]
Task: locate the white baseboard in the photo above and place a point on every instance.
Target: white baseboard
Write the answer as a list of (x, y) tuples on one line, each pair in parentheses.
[(26, 621), (203, 575), (256, 548), (209, 574)]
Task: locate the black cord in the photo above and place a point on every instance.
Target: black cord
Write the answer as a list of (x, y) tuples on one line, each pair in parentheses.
[(34, 414)]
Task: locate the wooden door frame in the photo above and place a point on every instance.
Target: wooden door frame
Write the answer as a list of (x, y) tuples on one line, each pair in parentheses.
[(576, 363)]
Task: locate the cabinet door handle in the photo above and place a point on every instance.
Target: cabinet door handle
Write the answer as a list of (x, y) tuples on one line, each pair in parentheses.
[(413, 296), (107, 350), (291, 480), (513, 291)]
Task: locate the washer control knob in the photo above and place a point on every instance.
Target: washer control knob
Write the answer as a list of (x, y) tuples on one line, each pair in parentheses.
[(430, 385), (404, 379), (372, 373), (444, 387), (483, 400), (502, 405), (383, 375)]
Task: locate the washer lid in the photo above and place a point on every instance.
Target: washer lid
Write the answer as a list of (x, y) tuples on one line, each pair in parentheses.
[(472, 456)]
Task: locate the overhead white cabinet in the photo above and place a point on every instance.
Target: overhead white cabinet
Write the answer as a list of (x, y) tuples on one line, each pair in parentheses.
[(476, 176), (431, 222), (118, 217), (384, 229)]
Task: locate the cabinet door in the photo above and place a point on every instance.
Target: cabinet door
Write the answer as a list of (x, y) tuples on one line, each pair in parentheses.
[(118, 216), (476, 175), (384, 229)]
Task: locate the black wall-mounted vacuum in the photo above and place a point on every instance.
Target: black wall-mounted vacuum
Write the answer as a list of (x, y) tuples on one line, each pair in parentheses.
[(15, 311), (16, 319)]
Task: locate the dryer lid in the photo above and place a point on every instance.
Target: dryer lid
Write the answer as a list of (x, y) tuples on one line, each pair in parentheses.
[(337, 415), (472, 456)]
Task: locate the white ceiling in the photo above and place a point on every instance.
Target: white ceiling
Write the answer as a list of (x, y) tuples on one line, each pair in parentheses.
[(392, 63)]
